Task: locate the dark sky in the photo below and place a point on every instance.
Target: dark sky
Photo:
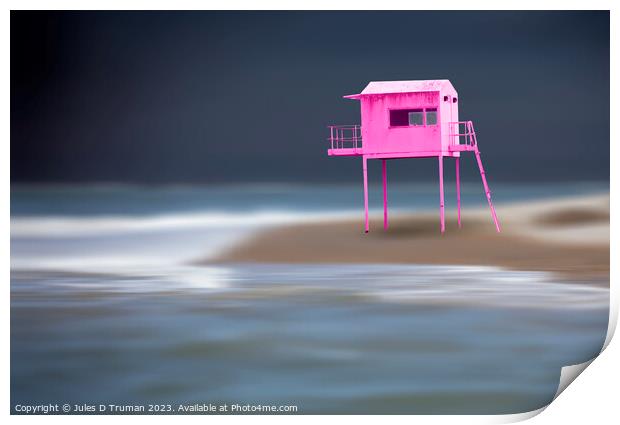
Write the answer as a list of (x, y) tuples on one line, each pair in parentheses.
[(159, 97)]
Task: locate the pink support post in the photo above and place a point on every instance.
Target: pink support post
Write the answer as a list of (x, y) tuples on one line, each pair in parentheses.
[(441, 200), (487, 191), (458, 192), (365, 168), (385, 199)]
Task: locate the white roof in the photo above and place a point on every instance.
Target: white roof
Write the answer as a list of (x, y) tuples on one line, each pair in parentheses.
[(412, 86)]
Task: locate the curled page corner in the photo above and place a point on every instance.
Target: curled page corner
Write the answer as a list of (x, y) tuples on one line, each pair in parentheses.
[(569, 374), (613, 320), (518, 417)]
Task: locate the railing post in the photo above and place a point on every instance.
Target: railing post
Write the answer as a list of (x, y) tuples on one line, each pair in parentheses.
[(455, 134), (339, 138), (359, 142), (474, 142)]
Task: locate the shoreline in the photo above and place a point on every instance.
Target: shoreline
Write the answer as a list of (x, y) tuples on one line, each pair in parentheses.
[(568, 237)]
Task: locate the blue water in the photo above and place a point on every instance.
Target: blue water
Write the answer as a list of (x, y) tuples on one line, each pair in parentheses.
[(137, 200), (107, 307)]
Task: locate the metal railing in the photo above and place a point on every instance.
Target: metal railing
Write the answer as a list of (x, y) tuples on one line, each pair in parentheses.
[(462, 133), (350, 136), (345, 136)]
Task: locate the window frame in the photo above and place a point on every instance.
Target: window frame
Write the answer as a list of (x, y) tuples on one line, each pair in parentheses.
[(436, 110), (421, 108), (420, 111)]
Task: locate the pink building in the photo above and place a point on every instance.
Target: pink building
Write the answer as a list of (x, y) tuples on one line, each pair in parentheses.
[(409, 119)]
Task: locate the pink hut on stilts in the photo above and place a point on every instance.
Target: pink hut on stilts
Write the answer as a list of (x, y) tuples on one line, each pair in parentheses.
[(409, 119)]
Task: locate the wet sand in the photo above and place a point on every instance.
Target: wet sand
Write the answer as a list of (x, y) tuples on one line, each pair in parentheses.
[(566, 236)]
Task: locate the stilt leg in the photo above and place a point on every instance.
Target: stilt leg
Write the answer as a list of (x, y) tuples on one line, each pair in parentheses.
[(441, 207), (487, 191), (385, 199), (365, 168), (458, 192)]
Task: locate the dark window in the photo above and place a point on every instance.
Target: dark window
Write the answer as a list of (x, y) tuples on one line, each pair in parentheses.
[(445, 98), (454, 100), (399, 118), (431, 116)]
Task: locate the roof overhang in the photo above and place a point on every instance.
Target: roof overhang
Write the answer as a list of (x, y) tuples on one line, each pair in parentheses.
[(406, 86), (386, 88)]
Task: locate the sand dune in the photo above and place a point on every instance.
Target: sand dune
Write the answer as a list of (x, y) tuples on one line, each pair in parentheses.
[(566, 236)]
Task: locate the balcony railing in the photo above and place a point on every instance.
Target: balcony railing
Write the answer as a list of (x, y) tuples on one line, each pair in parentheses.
[(347, 139), (345, 136), (462, 134)]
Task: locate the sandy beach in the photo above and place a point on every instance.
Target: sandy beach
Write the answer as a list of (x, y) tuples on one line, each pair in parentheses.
[(567, 236)]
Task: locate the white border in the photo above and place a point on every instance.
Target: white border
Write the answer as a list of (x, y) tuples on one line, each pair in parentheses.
[(591, 399)]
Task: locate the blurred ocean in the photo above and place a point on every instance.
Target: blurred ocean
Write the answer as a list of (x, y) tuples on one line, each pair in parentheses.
[(106, 306)]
